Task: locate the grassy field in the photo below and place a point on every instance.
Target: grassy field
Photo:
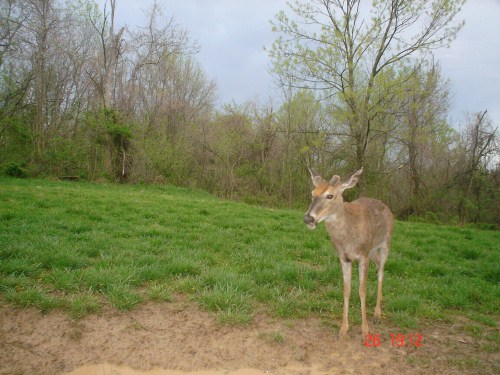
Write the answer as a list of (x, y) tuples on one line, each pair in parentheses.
[(78, 246)]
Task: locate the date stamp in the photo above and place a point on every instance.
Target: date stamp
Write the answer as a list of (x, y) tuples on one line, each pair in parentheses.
[(397, 340)]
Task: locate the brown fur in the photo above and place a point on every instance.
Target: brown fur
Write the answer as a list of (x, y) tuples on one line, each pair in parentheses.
[(360, 230)]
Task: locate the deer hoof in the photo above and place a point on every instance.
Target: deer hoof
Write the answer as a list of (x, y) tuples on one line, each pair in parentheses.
[(343, 332), (364, 331)]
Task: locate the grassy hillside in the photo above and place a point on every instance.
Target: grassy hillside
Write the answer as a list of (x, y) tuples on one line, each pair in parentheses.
[(77, 246)]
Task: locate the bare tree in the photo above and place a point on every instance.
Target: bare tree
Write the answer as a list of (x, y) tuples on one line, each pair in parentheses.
[(13, 16), (108, 58), (423, 114), (479, 148)]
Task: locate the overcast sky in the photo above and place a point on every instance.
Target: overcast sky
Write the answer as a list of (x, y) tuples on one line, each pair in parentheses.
[(233, 33)]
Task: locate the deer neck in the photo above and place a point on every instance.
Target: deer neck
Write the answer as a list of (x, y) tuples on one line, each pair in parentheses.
[(338, 215), (341, 230)]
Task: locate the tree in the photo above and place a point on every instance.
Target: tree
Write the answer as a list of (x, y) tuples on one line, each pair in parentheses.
[(168, 95), (14, 86), (303, 138), (107, 61), (227, 142), (479, 150), (12, 18), (339, 48), (423, 123)]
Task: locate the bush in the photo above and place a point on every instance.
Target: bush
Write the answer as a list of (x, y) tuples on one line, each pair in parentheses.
[(15, 170)]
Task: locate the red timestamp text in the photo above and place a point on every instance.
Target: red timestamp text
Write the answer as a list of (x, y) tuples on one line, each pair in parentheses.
[(397, 340)]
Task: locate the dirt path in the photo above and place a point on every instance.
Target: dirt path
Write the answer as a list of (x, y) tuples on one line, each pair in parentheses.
[(181, 338)]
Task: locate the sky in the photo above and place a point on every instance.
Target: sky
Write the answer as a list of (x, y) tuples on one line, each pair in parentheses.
[(232, 35)]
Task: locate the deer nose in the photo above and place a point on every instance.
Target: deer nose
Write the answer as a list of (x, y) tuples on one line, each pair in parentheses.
[(308, 219)]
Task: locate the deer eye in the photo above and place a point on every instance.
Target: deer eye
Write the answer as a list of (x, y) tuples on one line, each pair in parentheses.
[(329, 196)]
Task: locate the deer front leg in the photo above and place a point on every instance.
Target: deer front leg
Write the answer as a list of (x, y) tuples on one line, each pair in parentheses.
[(346, 272), (380, 276), (363, 272)]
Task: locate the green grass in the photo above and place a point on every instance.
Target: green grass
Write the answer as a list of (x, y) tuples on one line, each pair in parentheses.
[(79, 246)]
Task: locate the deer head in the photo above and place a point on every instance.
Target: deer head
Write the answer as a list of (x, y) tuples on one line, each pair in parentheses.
[(327, 198)]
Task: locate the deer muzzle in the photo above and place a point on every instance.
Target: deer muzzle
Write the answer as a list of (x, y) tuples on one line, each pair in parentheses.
[(309, 217), (309, 220)]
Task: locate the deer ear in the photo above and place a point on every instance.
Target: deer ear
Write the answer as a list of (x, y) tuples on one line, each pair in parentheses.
[(352, 180), (316, 177)]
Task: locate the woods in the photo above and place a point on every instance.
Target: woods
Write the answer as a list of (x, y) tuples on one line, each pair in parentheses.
[(82, 95)]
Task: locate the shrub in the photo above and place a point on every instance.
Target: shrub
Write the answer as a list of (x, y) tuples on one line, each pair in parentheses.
[(15, 170)]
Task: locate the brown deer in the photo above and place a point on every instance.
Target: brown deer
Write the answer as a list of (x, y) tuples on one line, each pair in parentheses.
[(359, 230)]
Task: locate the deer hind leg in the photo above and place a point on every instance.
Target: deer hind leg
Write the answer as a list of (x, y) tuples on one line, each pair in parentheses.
[(363, 273), (346, 272), (383, 253), (375, 257)]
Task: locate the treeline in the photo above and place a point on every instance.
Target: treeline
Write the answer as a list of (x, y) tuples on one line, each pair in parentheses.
[(81, 97)]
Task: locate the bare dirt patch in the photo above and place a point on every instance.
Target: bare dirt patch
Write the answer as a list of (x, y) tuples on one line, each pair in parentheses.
[(183, 339)]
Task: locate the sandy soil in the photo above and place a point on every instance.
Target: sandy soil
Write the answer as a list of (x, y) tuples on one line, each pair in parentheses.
[(178, 338)]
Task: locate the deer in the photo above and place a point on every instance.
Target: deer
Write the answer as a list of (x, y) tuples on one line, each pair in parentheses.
[(359, 230)]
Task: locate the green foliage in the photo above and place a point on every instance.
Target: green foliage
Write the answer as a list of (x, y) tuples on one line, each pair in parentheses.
[(15, 138), (110, 143), (64, 157), (15, 170)]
